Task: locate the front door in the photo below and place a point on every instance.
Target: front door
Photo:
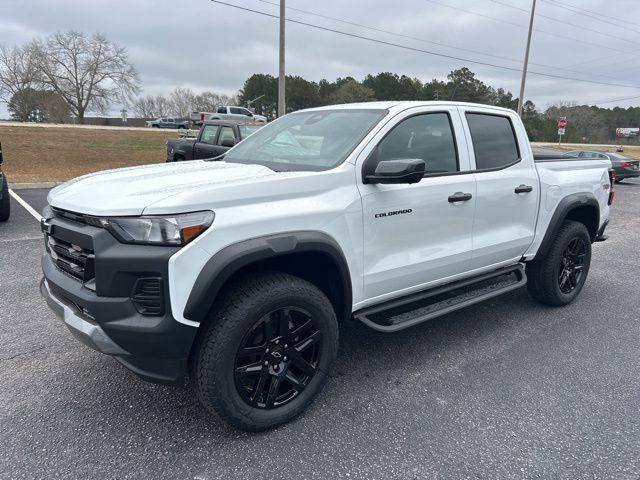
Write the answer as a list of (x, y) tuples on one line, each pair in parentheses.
[(418, 234), (206, 146)]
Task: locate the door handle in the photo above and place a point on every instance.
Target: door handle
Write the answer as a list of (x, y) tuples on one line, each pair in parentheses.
[(460, 197), (523, 189)]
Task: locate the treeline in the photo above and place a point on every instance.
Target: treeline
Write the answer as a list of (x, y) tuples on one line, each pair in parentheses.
[(179, 103), (586, 123)]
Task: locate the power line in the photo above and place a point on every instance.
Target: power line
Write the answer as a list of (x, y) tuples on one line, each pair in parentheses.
[(519, 25), (564, 22), (428, 52), (615, 100), (593, 14), (410, 37)]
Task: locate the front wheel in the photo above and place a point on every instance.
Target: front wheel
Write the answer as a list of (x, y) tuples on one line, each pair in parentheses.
[(558, 278), (5, 203), (266, 351)]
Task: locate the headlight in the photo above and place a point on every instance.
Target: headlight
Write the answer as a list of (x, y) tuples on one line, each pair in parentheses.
[(159, 230)]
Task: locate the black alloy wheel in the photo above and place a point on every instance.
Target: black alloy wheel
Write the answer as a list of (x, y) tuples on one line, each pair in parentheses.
[(572, 265), (277, 358)]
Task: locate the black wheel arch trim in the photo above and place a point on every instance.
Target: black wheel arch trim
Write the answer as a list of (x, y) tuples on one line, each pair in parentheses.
[(566, 205), (221, 266)]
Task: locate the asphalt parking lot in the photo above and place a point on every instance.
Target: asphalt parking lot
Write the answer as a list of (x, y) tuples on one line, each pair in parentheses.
[(504, 389)]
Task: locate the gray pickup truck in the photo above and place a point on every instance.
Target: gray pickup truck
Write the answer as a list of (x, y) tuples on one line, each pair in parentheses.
[(214, 139), (167, 123)]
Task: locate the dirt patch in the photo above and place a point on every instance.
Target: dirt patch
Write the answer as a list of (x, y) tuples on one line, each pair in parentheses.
[(59, 154)]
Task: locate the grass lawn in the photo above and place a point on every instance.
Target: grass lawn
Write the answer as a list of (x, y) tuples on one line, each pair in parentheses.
[(35, 154)]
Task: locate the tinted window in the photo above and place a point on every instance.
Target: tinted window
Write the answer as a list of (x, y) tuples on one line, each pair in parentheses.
[(236, 111), (428, 137), (222, 109), (209, 133), (226, 133), (494, 141)]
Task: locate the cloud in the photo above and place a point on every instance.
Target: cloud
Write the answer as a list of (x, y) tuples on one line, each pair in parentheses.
[(205, 45)]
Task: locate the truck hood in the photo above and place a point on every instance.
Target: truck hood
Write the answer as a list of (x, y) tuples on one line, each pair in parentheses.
[(128, 191)]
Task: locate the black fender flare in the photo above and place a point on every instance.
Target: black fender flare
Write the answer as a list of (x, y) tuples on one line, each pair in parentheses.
[(566, 205), (221, 266)]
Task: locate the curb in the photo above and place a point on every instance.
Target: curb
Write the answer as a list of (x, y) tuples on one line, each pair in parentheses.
[(24, 186)]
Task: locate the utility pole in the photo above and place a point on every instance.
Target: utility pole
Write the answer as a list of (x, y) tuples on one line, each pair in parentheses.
[(281, 102), (526, 60)]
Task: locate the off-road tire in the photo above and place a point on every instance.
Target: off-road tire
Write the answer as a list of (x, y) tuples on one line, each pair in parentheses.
[(543, 274), (235, 313), (5, 203)]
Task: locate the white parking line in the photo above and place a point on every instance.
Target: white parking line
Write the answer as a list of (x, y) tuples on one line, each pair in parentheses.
[(26, 206)]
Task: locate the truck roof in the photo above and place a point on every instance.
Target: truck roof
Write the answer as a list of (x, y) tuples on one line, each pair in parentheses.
[(402, 105)]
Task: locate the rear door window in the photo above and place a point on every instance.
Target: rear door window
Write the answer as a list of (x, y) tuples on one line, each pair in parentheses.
[(226, 133), (494, 141)]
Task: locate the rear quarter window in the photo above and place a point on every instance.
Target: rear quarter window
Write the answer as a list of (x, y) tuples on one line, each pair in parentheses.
[(494, 141)]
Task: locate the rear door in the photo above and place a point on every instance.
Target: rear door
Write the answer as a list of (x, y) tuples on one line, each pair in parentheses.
[(414, 234), (508, 190), (206, 146)]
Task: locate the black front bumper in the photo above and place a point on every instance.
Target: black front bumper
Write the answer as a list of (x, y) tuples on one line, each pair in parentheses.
[(102, 314)]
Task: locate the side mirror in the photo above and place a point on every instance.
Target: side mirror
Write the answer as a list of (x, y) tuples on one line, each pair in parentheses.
[(250, 114), (228, 142), (409, 170)]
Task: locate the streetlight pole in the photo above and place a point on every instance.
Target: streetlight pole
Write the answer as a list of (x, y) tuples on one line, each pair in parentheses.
[(281, 102), (526, 60)]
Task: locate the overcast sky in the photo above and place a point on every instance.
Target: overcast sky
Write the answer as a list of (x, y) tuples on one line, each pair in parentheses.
[(209, 46)]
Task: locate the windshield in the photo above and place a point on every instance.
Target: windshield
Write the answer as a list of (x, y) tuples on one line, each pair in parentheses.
[(246, 130), (308, 140)]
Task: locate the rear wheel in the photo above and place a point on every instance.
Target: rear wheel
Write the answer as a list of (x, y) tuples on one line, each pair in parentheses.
[(5, 203), (558, 278), (266, 351)]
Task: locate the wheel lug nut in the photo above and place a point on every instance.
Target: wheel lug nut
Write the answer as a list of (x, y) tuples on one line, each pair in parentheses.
[(286, 359), (286, 346), (276, 368), (267, 350), (266, 363), (277, 342)]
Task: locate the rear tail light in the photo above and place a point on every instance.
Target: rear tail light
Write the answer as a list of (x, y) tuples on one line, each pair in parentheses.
[(612, 188), (626, 164)]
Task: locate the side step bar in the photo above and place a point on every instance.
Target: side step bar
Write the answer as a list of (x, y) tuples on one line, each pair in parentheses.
[(411, 310)]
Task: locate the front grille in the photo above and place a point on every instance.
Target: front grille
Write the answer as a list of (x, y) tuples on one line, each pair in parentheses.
[(71, 259), (78, 217)]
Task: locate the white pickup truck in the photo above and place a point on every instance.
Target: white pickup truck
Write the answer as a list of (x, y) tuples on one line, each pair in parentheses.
[(235, 274), (228, 113)]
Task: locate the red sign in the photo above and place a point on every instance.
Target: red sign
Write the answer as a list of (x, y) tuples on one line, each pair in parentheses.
[(562, 122)]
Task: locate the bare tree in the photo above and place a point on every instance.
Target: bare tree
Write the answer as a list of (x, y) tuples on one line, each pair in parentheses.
[(181, 100), (89, 73), (17, 71), (163, 106), (145, 106), (150, 106)]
